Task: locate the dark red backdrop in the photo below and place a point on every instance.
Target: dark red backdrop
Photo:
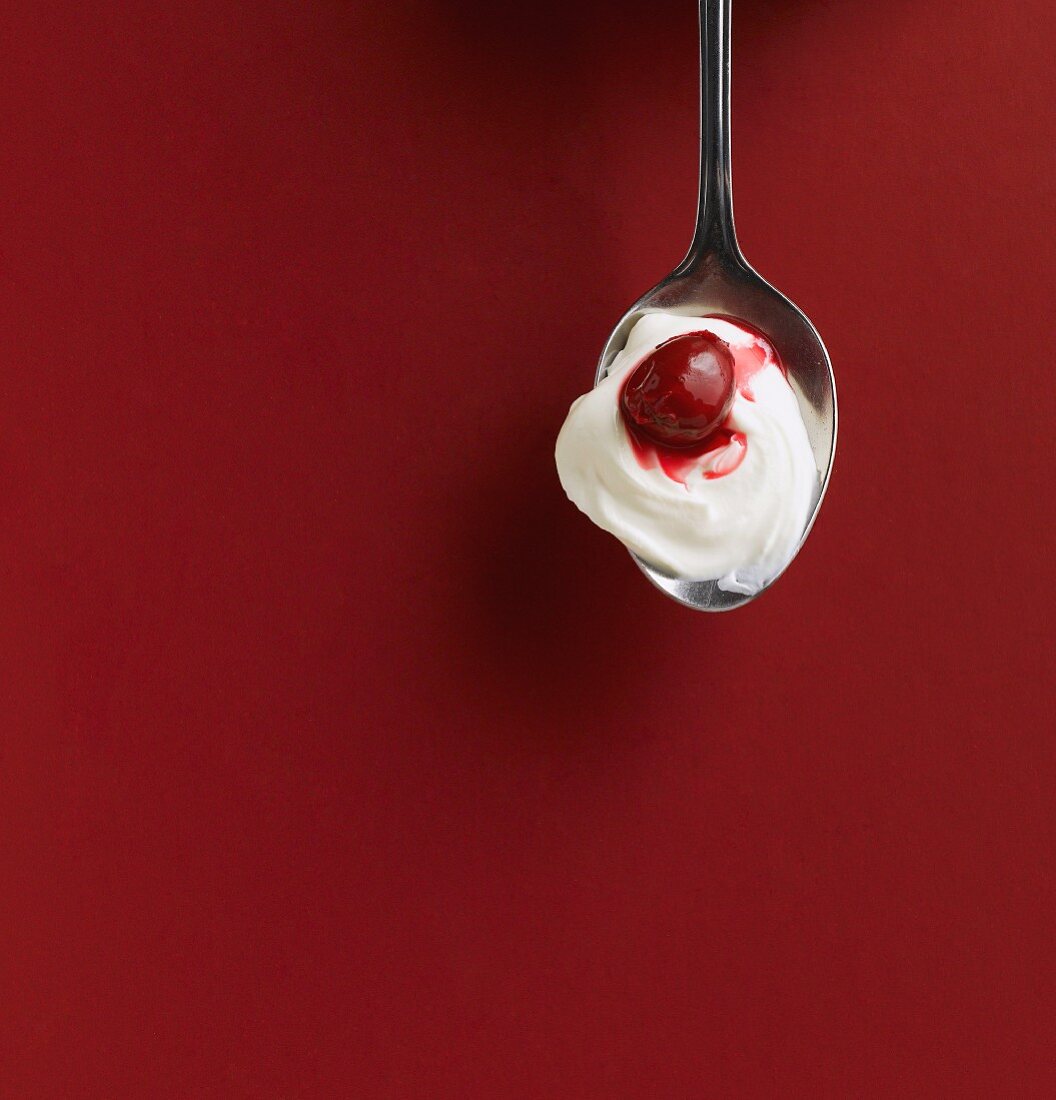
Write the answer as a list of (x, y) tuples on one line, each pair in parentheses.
[(340, 755)]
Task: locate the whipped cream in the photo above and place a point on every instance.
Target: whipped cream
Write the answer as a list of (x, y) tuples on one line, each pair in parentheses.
[(735, 515)]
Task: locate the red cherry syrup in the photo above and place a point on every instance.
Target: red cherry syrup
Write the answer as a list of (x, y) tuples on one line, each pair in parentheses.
[(675, 404)]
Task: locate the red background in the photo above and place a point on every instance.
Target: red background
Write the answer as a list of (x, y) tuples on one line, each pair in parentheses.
[(340, 754)]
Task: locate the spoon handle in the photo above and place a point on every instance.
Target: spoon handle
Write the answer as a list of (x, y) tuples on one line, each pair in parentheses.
[(714, 231)]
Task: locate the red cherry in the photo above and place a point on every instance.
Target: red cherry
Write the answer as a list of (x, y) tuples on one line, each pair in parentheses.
[(681, 392)]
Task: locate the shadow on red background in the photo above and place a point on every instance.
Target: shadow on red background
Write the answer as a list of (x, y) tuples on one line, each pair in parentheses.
[(534, 572), (340, 754)]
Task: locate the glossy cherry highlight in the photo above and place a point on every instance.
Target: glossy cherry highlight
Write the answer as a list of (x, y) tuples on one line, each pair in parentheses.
[(681, 393)]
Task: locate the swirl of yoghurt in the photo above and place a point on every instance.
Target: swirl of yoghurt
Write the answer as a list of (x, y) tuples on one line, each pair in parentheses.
[(734, 514)]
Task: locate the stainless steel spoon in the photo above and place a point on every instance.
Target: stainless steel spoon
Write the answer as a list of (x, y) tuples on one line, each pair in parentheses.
[(715, 278)]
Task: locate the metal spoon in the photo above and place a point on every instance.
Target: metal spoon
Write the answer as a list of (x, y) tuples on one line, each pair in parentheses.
[(715, 278)]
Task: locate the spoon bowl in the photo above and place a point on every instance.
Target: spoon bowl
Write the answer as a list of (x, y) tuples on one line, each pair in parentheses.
[(715, 280)]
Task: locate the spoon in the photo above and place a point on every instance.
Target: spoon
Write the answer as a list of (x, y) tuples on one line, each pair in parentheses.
[(715, 279)]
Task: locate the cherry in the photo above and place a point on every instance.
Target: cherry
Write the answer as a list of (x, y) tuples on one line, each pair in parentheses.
[(682, 391)]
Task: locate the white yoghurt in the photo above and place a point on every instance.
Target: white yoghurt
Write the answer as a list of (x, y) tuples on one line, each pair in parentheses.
[(740, 529)]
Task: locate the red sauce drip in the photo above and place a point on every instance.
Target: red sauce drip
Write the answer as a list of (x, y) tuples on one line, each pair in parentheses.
[(748, 362), (720, 454)]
